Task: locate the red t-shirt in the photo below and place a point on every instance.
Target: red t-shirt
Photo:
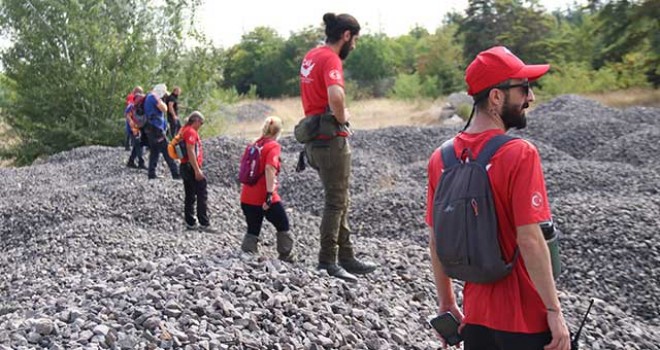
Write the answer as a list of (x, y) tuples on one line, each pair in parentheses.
[(256, 194), (511, 304), (191, 138), (130, 98), (320, 69)]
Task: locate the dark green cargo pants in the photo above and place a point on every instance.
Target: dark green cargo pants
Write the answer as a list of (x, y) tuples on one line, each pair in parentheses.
[(332, 160)]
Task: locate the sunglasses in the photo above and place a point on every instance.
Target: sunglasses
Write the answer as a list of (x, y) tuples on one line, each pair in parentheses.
[(525, 87)]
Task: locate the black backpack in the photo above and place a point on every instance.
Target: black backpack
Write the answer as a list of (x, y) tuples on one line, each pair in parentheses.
[(465, 219)]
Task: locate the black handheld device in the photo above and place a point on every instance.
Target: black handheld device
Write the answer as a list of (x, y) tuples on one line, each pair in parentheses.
[(447, 326)]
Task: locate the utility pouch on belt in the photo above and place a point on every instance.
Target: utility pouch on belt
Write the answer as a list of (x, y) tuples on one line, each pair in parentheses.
[(322, 126), (307, 129)]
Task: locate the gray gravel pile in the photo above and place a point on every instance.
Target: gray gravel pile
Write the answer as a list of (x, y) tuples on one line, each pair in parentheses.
[(249, 111), (94, 255)]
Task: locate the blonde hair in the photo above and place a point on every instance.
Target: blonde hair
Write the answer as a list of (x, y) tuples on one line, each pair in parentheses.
[(272, 127)]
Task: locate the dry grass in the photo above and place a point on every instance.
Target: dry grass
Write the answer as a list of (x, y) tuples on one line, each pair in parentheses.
[(627, 98), (381, 113), (367, 114)]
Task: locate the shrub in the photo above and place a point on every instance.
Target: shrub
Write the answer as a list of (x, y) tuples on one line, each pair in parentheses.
[(407, 87)]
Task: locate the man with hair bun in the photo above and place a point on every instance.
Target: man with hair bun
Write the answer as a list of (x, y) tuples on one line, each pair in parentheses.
[(322, 94)]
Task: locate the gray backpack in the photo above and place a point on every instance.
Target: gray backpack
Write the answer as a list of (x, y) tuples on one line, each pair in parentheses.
[(465, 219)]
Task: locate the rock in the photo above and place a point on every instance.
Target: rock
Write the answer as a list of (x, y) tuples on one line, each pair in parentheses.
[(97, 256)]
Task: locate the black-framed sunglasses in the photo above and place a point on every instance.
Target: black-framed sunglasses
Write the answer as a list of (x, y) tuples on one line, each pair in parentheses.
[(525, 87)]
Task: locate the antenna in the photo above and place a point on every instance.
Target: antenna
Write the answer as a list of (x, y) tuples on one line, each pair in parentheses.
[(574, 342)]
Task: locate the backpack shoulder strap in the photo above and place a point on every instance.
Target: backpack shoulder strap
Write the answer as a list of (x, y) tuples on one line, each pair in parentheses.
[(491, 148), (448, 154)]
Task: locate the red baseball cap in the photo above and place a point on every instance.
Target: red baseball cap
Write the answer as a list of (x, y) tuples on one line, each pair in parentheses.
[(496, 65)]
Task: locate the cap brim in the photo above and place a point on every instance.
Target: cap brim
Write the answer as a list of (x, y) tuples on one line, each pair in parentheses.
[(531, 72)]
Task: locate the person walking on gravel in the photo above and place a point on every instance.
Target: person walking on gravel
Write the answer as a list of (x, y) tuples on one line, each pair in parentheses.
[(129, 100), (520, 310), (322, 93), (154, 108), (194, 180), (136, 136), (261, 199), (172, 102)]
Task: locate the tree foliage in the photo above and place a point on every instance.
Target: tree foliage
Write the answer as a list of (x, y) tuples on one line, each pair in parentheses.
[(72, 62)]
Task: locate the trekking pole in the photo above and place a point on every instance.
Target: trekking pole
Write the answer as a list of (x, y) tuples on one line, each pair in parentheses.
[(574, 341)]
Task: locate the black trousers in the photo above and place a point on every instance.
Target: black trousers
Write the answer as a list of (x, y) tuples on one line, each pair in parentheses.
[(482, 338), (174, 126), (158, 145), (254, 215), (195, 191)]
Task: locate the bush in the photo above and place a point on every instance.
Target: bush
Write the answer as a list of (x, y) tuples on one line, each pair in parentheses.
[(407, 87), (464, 111), (572, 78)]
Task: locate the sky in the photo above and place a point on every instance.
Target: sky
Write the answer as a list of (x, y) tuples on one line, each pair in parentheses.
[(225, 24)]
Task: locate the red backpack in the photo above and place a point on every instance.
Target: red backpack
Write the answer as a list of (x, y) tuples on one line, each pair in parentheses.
[(250, 167)]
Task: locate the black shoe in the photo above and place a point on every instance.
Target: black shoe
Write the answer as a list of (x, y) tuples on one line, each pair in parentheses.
[(335, 270), (131, 165), (358, 267), (142, 166)]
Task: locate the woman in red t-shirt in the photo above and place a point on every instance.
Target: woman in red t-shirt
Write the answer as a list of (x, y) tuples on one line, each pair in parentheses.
[(261, 199)]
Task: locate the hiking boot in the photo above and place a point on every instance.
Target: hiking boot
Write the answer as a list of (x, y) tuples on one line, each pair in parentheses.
[(335, 270), (131, 165), (358, 267), (285, 245), (207, 229), (249, 244)]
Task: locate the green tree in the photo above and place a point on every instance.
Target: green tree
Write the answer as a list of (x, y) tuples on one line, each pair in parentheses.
[(256, 61), (439, 61), (72, 63), (371, 63), (521, 25), (295, 48)]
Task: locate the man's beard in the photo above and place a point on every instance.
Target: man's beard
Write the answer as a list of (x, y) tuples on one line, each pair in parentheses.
[(345, 50), (514, 116)]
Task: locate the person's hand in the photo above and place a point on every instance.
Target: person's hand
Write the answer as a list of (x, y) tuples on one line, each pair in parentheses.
[(560, 336), (199, 175), (269, 200), (456, 311)]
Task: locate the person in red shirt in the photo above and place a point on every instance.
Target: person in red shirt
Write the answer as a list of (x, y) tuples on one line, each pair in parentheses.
[(322, 93), (129, 100), (262, 200), (194, 181), (521, 310)]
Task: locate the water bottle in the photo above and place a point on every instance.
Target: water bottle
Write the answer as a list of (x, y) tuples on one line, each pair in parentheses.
[(551, 235)]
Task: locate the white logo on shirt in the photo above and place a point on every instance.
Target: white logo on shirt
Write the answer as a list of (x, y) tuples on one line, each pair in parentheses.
[(537, 200), (334, 74), (306, 68)]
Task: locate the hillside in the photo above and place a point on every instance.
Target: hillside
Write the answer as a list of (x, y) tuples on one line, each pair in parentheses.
[(95, 255)]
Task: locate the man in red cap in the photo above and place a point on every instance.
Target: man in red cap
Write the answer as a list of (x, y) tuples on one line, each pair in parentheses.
[(520, 310)]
